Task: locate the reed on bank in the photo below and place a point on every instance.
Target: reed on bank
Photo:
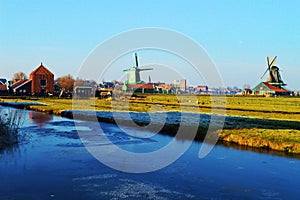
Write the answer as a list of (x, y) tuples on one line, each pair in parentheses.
[(10, 122)]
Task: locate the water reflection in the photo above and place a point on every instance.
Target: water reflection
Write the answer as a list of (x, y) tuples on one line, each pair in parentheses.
[(40, 118), (9, 150)]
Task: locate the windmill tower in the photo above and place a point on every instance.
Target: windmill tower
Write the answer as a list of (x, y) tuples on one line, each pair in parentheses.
[(134, 72), (274, 77)]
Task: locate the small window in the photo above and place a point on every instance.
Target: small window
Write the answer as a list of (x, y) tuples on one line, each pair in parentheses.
[(43, 82)]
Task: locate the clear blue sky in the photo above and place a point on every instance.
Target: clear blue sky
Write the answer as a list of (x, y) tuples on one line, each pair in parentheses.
[(238, 35)]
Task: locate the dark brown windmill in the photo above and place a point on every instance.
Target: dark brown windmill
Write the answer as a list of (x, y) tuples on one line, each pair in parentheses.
[(274, 77)]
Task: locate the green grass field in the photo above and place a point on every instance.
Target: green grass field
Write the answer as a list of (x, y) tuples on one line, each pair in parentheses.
[(287, 108), (283, 109)]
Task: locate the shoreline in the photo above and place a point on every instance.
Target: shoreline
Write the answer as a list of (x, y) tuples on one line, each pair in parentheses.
[(243, 131)]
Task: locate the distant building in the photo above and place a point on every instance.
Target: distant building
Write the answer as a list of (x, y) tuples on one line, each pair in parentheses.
[(180, 85), (42, 81), (246, 91), (3, 81), (164, 88), (266, 89), (140, 88), (22, 87), (83, 91), (106, 85), (201, 89), (3, 86), (106, 89)]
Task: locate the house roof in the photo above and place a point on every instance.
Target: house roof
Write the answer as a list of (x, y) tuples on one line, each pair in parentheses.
[(3, 81), (142, 86), (202, 86), (276, 89), (41, 70), (164, 86), (20, 83)]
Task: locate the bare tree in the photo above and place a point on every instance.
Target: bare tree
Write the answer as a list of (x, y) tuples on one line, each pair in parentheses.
[(19, 76), (66, 84), (79, 82)]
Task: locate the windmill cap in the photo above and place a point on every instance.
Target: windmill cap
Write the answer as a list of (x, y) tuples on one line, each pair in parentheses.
[(275, 67)]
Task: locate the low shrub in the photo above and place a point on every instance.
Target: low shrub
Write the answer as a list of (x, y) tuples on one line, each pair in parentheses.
[(10, 122)]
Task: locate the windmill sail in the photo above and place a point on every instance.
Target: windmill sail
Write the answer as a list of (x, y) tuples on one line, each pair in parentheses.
[(270, 64), (136, 60)]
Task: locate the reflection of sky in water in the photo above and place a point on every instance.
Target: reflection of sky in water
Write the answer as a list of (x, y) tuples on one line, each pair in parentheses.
[(54, 164)]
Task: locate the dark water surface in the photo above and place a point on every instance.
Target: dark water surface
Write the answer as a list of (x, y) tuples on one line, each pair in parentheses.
[(52, 163)]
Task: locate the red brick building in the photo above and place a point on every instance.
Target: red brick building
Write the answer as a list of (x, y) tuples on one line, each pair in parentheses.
[(42, 81)]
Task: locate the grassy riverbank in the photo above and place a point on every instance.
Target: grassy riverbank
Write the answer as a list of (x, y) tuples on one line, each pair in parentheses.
[(284, 110)]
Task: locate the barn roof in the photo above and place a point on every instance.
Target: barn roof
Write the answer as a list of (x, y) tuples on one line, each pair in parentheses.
[(20, 83), (276, 89), (41, 70)]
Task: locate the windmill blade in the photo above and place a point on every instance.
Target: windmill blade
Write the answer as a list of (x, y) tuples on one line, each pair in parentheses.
[(273, 62), (143, 68), (270, 64), (264, 73), (268, 59), (136, 60)]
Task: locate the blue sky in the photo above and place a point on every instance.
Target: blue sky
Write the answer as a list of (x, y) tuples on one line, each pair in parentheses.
[(237, 35)]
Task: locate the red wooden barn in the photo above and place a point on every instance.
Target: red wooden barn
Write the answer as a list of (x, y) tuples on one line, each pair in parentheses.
[(42, 81)]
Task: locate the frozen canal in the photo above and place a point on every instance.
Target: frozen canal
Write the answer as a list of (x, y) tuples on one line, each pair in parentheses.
[(52, 163)]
